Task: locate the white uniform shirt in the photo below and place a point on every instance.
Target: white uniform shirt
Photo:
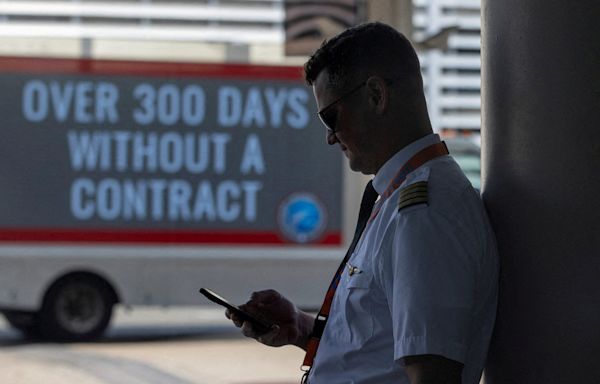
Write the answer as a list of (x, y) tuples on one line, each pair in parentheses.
[(425, 282)]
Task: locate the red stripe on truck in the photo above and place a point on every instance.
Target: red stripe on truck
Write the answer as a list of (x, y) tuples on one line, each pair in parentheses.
[(148, 68), (155, 236)]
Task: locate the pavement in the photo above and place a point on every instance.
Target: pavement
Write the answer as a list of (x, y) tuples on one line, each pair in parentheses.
[(151, 346)]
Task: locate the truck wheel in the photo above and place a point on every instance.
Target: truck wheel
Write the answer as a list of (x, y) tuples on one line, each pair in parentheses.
[(25, 322), (76, 308)]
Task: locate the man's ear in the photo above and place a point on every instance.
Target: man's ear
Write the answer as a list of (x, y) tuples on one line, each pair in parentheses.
[(378, 94)]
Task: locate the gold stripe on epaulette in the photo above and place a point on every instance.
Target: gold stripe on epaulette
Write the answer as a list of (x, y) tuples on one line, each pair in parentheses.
[(421, 186), (413, 194), (415, 201)]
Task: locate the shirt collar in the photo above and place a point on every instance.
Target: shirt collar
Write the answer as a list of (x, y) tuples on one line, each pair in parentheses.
[(387, 172)]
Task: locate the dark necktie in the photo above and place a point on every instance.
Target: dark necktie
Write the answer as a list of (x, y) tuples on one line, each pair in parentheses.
[(366, 207)]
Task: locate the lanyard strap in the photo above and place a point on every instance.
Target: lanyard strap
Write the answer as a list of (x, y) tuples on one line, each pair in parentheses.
[(420, 158)]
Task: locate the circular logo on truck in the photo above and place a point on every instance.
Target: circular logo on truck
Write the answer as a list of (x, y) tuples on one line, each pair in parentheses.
[(302, 217)]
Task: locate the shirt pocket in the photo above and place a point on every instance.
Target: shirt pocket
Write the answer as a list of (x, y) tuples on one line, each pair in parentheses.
[(358, 305)]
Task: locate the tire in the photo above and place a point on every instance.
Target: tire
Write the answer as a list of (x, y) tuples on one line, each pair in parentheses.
[(76, 308), (25, 322)]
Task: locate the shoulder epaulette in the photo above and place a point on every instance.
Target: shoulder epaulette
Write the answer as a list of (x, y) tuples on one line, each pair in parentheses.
[(413, 194)]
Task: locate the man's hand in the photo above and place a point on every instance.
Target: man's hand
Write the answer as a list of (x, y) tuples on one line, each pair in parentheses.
[(432, 369), (291, 326)]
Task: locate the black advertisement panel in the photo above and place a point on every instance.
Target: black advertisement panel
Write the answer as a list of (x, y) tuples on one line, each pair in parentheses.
[(164, 152)]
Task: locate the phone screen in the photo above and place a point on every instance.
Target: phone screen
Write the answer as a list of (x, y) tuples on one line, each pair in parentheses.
[(258, 324)]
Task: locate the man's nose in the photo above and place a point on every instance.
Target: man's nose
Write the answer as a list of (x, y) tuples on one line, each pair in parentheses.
[(331, 137)]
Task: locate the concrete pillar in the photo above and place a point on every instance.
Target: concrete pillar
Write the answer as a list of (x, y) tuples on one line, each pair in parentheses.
[(541, 184)]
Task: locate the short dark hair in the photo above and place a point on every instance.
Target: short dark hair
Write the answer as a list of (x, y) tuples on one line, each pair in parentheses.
[(364, 50)]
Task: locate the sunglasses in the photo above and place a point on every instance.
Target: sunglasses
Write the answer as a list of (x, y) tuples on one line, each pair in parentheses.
[(328, 115)]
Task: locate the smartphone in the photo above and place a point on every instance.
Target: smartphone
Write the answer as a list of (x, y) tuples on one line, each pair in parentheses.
[(259, 325)]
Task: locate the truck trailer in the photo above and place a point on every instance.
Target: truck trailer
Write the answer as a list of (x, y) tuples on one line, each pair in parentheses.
[(136, 183)]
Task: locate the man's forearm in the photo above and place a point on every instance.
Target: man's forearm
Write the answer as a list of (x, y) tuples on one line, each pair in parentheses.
[(433, 369)]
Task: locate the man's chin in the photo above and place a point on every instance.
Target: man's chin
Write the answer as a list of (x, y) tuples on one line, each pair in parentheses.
[(358, 167)]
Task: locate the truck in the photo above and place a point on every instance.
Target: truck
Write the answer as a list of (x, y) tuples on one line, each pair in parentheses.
[(136, 183)]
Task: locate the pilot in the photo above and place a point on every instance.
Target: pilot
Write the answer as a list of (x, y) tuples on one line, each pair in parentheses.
[(414, 300)]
